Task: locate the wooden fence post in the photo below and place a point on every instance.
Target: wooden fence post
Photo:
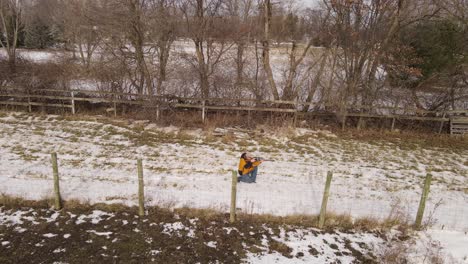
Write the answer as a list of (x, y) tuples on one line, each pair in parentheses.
[(422, 203), (29, 103), (56, 182), (360, 123), (114, 105), (141, 191), (203, 111), (326, 193), (295, 114), (158, 105), (441, 124), (233, 196), (73, 102)]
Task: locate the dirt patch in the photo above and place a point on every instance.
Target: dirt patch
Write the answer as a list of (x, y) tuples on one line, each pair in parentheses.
[(39, 235)]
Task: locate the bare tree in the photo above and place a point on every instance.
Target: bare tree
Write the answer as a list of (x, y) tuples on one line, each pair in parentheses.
[(204, 26), (124, 28), (363, 31), (79, 21), (241, 13), (296, 56), (10, 24), (458, 9), (267, 13), (162, 20)]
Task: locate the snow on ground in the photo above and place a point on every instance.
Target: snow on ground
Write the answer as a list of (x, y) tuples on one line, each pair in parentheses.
[(308, 245), (453, 242), (286, 245), (319, 248), (97, 163), (38, 56)]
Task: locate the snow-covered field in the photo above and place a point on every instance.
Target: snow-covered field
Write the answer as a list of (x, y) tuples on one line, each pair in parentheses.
[(38, 56), (97, 163)]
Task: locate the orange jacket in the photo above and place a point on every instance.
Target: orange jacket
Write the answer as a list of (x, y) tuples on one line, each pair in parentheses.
[(246, 166)]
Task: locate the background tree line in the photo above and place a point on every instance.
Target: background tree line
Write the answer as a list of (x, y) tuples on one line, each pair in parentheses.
[(341, 55)]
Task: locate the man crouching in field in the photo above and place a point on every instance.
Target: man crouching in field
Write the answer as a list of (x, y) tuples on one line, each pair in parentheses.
[(248, 167)]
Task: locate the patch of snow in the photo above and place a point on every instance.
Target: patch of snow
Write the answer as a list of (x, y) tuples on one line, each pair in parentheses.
[(155, 252), (106, 234), (211, 244), (95, 217), (453, 243), (49, 235), (20, 229), (304, 242), (59, 250), (230, 229), (175, 228), (52, 218)]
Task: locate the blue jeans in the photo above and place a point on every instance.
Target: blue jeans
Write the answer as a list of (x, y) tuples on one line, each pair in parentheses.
[(249, 177)]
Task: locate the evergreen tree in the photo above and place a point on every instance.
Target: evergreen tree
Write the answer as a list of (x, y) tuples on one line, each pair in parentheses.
[(39, 35)]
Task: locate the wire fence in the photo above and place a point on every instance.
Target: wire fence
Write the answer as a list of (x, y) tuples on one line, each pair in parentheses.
[(300, 193), (380, 200)]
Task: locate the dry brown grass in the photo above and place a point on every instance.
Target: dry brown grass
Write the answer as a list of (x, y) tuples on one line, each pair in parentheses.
[(395, 253), (402, 251), (407, 139), (17, 202), (332, 220), (75, 204), (301, 220), (368, 223), (207, 214)]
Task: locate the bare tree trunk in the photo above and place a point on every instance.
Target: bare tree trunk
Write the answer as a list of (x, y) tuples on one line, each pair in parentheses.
[(266, 50), (80, 49), (164, 50), (137, 40), (289, 92), (315, 82), (164, 33), (14, 9), (255, 86), (330, 81), (202, 68), (240, 62), (383, 47)]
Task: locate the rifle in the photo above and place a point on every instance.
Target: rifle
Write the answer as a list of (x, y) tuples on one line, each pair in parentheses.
[(262, 159)]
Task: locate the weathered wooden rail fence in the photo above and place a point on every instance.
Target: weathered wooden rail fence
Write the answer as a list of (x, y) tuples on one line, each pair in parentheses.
[(70, 99), (459, 125)]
